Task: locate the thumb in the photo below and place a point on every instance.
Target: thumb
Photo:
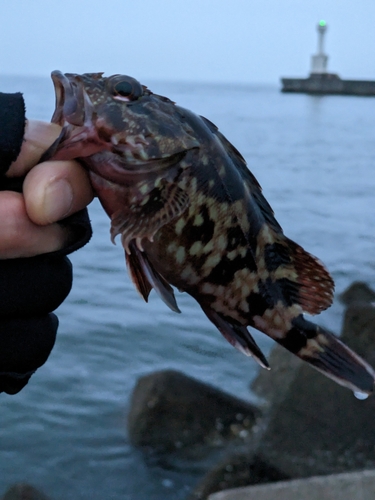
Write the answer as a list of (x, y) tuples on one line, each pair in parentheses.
[(56, 189)]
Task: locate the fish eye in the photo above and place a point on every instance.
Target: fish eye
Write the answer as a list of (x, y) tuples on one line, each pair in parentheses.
[(127, 89), (124, 89)]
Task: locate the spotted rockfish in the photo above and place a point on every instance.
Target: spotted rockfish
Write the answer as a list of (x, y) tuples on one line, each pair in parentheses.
[(192, 215)]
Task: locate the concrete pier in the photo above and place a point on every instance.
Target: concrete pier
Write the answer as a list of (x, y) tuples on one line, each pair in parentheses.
[(349, 486)]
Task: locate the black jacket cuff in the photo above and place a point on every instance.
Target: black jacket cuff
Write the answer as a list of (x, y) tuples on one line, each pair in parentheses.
[(12, 128)]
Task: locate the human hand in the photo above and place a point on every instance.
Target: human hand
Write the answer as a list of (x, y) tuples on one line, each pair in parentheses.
[(30, 288), (52, 191)]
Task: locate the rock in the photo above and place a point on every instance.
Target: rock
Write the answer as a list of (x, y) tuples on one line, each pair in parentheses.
[(359, 329), (351, 486), (23, 491), (170, 410), (236, 471), (357, 292), (272, 386)]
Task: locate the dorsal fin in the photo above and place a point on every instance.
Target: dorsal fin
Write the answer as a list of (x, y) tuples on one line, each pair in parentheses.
[(248, 178)]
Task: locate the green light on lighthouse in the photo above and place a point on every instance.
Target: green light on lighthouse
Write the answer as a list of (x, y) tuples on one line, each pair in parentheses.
[(322, 23)]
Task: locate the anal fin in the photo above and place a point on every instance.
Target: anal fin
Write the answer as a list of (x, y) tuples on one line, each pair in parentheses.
[(237, 335), (145, 277)]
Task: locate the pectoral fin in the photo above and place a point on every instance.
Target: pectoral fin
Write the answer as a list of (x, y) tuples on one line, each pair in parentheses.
[(160, 206)]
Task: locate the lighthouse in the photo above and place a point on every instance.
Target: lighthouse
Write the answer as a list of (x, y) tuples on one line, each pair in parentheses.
[(319, 61), (320, 81)]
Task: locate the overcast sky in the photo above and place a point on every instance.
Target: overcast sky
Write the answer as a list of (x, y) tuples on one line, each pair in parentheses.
[(194, 40)]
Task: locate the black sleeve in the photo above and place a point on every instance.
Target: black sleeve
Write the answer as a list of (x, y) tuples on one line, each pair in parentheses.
[(12, 128), (30, 289)]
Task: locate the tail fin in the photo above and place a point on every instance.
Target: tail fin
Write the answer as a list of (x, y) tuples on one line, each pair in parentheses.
[(329, 355)]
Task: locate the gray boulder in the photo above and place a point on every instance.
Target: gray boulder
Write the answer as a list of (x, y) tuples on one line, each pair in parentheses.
[(357, 292), (359, 329), (348, 486), (170, 411), (23, 491), (236, 471)]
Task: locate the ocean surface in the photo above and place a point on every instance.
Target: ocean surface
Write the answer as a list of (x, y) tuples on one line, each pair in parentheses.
[(66, 431)]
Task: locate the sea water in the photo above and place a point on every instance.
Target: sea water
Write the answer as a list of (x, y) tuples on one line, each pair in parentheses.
[(66, 431)]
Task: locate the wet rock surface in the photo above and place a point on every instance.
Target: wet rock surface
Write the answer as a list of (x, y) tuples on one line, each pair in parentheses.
[(359, 329), (170, 410), (236, 471), (348, 486), (357, 292), (23, 491)]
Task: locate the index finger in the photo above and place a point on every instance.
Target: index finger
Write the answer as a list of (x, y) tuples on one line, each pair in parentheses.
[(38, 137)]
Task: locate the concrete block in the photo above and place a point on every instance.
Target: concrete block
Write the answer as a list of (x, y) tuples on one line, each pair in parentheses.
[(170, 410), (348, 486)]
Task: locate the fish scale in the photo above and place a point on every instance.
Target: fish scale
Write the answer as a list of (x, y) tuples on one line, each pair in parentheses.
[(192, 215)]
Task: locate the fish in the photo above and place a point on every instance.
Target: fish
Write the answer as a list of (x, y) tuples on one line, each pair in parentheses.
[(192, 217)]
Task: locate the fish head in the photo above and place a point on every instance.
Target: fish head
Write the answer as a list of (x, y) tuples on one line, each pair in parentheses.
[(118, 123)]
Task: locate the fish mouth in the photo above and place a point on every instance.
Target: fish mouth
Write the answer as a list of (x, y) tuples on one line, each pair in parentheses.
[(73, 105), (74, 112)]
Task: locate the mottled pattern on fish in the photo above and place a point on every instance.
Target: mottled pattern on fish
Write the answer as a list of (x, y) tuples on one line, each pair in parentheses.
[(192, 215)]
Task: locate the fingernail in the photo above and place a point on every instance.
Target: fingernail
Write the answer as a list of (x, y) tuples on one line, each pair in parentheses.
[(58, 200)]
